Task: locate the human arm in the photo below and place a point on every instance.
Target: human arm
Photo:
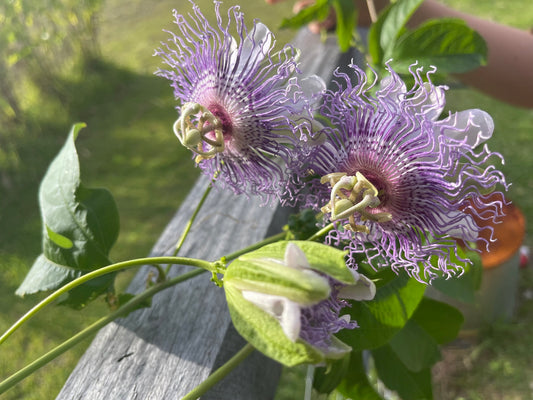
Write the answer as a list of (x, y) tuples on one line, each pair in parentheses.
[(508, 74)]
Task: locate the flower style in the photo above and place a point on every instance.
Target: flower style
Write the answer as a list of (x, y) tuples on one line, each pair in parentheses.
[(404, 183), (244, 112), (305, 300)]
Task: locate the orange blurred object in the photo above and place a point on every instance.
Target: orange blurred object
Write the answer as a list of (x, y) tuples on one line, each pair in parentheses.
[(509, 233)]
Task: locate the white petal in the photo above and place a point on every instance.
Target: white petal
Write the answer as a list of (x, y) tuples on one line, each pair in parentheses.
[(393, 88), (337, 349), (473, 126), (295, 257), (429, 100), (363, 289), (254, 48), (305, 92), (266, 302), (287, 312), (312, 85), (290, 320), (460, 226)]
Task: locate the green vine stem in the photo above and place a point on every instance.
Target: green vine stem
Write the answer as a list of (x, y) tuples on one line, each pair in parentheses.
[(220, 373), (272, 239), (183, 236), (102, 271), (90, 330), (321, 232)]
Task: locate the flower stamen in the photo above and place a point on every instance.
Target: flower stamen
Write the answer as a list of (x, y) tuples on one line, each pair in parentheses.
[(351, 195), (195, 137)]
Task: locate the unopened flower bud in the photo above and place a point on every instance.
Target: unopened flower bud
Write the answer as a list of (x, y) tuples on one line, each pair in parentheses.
[(275, 292)]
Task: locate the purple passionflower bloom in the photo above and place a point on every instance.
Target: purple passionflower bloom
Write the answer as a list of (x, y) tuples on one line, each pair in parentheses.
[(400, 184), (244, 110)]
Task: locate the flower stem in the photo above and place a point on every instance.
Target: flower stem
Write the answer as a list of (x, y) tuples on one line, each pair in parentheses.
[(272, 239), (220, 373), (102, 271), (321, 232), (183, 236), (372, 10), (63, 347)]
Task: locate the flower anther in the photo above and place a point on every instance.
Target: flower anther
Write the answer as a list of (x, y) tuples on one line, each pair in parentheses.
[(206, 138), (350, 195)]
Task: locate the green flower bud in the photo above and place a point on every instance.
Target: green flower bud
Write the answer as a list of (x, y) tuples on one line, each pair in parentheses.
[(267, 290)]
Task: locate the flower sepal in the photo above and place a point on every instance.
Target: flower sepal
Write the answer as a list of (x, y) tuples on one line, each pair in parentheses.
[(266, 334)]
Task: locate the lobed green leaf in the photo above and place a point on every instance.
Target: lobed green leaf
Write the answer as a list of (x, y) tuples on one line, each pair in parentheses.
[(440, 320), (394, 374), (415, 347)]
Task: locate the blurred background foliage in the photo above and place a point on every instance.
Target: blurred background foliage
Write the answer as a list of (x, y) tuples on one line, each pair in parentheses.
[(64, 61)]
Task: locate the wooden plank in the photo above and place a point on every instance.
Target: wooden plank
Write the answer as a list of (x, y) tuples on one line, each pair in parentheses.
[(166, 350)]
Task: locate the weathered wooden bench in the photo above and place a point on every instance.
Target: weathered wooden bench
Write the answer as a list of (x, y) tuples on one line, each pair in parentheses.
[(164, 351)]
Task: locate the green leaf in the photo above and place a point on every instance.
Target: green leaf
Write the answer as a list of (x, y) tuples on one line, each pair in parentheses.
[(80, 225), (355, 384), (448, 44), (440, 320), (58, 239), (394, 23), (381, 318), (462, 288), (346, 19), (393, 373), (415, 347), (302, 225), (315, 12), (264, 332), (326, 379)]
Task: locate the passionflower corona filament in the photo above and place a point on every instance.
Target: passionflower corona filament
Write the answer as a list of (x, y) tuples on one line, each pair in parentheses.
[(401, 184), (244, 110)]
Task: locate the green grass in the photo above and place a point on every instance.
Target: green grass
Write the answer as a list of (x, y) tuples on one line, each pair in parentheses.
[(128, 147)]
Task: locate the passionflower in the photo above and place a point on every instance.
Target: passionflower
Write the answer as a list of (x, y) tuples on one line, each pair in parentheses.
[(286, 299), (244, 108), (400, 183)]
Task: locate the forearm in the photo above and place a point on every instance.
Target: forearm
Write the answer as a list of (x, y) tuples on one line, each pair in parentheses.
[(508, 75)]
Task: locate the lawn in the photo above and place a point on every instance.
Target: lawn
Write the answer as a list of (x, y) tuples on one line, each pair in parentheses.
[(128, 147)]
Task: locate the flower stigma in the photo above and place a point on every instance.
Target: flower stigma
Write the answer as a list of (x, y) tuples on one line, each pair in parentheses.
[(350, 195), (206, 138)]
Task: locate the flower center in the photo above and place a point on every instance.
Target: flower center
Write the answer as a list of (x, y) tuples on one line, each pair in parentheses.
[(200, 130), (379, 183), (351, 195), (225, 121)]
